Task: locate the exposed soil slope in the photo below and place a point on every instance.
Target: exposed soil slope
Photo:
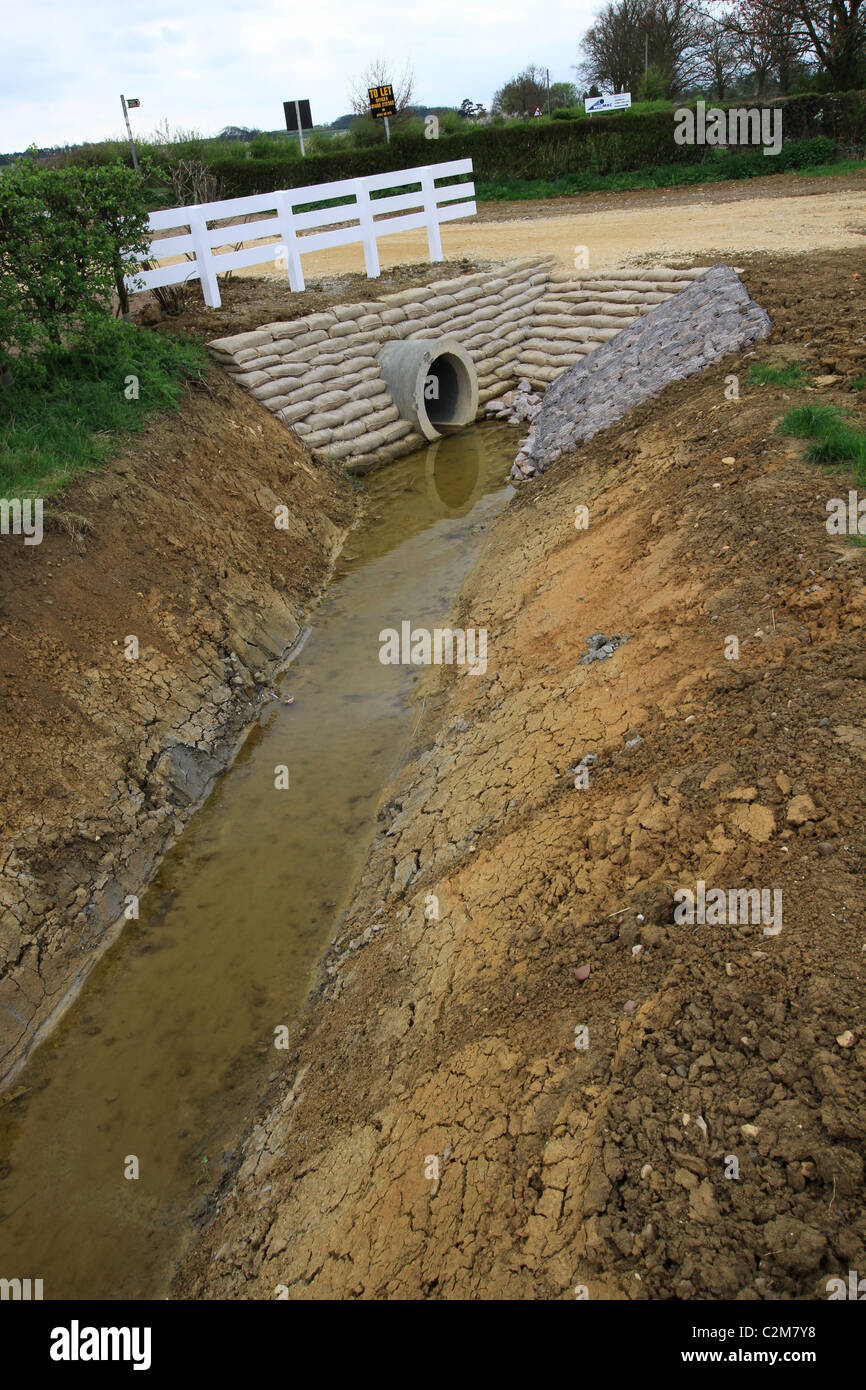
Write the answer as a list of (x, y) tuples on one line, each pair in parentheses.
[(610, 1165), (105, 758)]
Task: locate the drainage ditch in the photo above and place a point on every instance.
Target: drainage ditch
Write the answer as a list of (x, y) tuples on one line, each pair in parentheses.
[(162, 1063)]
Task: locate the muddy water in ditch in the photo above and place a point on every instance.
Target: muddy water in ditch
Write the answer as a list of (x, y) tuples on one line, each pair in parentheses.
[(165, 1052)]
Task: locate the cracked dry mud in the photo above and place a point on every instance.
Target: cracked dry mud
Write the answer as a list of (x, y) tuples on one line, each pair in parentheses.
[(454, 1038)]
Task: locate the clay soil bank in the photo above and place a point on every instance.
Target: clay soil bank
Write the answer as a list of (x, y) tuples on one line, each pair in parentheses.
[(439, 1133)]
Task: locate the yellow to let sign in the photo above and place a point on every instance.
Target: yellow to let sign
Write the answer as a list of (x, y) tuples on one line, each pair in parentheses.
[(382, 100)]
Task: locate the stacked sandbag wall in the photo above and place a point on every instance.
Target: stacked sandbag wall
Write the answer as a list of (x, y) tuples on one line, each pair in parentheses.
[(320, 374)]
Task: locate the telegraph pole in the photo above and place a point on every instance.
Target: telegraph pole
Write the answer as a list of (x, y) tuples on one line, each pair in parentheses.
[(547, 70)]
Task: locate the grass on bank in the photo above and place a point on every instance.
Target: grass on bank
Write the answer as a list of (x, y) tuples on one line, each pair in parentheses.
[(836, 440), (71, 411), (791, 374), (835, 437)]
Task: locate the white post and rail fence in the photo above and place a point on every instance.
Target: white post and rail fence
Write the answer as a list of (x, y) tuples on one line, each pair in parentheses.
[(292, 232)]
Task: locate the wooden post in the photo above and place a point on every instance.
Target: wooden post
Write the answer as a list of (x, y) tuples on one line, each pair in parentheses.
[(300, 131)]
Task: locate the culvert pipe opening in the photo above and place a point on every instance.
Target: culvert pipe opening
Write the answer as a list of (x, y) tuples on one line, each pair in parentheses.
[(433, 384)]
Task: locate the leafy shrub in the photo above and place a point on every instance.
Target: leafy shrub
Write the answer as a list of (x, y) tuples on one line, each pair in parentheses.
[(67, 236), (837, 116), (655, 85)]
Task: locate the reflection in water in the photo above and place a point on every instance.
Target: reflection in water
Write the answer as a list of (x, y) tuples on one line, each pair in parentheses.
[(165, 1054)]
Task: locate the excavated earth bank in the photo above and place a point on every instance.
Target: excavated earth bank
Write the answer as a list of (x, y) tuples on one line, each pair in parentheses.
[(105, 758), (438, 1132)]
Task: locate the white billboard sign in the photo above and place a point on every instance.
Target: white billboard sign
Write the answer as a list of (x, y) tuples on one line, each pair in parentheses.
[(608, 101)]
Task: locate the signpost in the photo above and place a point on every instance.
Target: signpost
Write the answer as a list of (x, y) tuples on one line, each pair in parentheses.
[(608, 101), (382, 105), (127, 107), (298, 118)]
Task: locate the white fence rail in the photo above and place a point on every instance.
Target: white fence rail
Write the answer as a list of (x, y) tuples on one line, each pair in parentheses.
[(285, 236)]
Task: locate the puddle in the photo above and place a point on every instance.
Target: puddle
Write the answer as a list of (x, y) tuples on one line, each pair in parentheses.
[(164, 1056)]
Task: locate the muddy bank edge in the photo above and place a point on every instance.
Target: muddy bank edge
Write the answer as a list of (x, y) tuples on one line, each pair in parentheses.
[(105, 758)]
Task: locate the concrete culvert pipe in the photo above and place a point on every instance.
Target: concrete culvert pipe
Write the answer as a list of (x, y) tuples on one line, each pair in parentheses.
[(433, 384)]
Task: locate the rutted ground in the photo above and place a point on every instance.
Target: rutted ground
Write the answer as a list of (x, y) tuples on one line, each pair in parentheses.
[(454, 1037), (105, 759)]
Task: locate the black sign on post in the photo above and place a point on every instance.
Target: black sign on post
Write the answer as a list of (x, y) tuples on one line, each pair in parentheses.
[(382, 101), (298, 118), (298, 115)]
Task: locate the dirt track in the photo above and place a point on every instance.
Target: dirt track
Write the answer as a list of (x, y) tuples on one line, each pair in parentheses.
[(659, 224), (607, 1166)]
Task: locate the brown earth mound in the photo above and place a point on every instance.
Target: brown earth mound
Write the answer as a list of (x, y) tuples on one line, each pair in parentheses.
[(553, 1083)]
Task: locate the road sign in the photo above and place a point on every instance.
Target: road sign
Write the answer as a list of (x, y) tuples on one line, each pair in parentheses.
[(382, 101), (132, 102), (608, 101), (298, 115)]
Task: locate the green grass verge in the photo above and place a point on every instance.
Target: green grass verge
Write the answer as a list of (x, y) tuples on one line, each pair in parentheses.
[(778, 374), (71, 412), (806, 157), (833, 168), (835, 437)]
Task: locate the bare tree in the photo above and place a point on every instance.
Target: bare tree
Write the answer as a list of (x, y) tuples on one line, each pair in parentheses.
[(719, 55), (631, 36), (833, 31), (770, 42), (380, 73)]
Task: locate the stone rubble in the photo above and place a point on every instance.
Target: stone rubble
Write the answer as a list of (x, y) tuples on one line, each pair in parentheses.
[(601, 647), (686, 333)]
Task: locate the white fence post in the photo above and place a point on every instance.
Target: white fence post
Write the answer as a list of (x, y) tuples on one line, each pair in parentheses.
[(431, 213), (290, 241), (204, 261), (368, 229)]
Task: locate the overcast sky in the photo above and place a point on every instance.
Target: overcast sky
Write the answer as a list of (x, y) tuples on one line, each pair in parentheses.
[(208, 65)]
